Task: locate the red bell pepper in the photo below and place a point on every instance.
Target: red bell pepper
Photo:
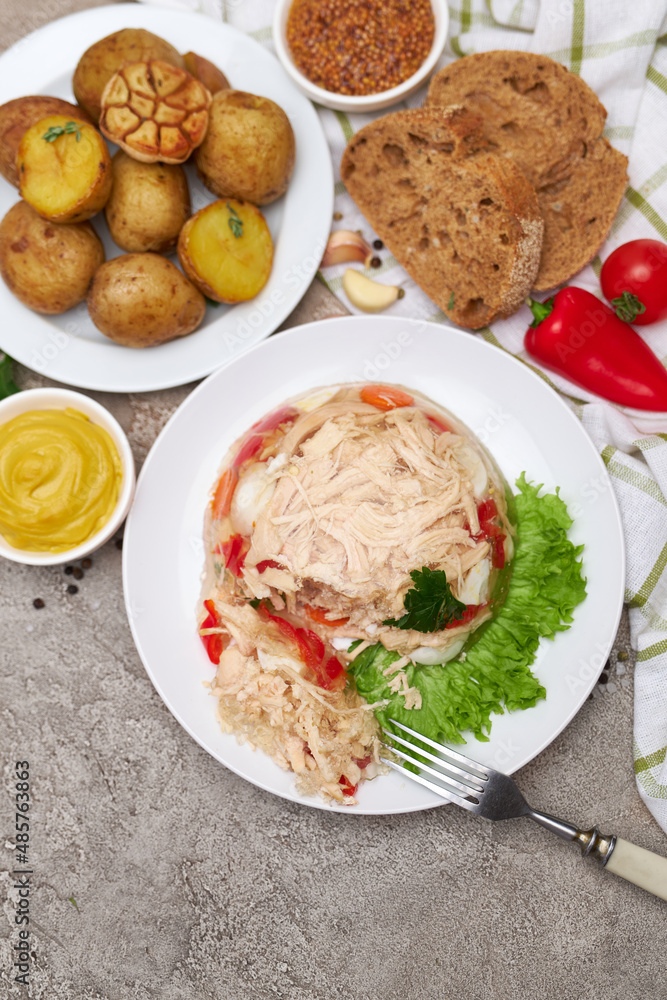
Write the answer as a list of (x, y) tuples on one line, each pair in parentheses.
[(267, 564), (234, 551), (213, 644), (347, 786), (467, 616), (330, 675), (248, 449), (581, 338), (285, 415)]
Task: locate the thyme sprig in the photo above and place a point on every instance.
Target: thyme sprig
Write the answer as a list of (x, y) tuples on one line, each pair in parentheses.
[(69, 128), (235, 222)]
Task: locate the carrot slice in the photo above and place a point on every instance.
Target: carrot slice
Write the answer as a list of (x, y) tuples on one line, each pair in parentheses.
[(319, 615), (385, 397), (222, 501)]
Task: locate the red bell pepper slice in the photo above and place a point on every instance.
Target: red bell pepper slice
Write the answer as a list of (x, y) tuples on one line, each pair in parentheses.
[(347, 786), (329, 675), (289, 630), (467, 616), (267, 564), (213, 644), (315, 644), (487, 510), (248, 449), (234, 551), (498, 551), (438, 424), (581, 338), (286, 414)]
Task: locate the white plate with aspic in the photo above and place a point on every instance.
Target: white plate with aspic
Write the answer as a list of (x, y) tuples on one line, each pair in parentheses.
[(522, 422), (69, 347)]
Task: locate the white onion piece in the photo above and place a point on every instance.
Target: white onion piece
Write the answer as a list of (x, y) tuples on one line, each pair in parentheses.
[(430, 655), (475, 589)]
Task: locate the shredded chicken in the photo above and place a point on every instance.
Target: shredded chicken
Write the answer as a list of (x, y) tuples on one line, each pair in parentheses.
[(365, 497), (264, 700), (336, 510)]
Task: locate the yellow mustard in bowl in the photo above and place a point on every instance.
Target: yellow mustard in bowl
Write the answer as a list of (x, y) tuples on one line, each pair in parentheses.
[(60, 477)]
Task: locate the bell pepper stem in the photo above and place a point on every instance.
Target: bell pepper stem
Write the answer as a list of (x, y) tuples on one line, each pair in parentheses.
[(540, 310)]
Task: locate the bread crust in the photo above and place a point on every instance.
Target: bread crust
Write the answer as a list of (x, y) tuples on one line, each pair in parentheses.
[(549, 122), (464, 223)]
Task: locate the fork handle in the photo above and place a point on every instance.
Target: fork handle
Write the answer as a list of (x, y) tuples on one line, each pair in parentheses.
[(635, 864)]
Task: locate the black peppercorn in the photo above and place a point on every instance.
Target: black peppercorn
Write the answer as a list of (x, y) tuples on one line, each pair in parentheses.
[(72, 589), (38, 603)]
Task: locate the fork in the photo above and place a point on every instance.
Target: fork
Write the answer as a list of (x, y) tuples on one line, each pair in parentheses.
[(496, 796)]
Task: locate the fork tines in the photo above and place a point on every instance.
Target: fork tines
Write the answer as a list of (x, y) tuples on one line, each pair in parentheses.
[(456, 777)]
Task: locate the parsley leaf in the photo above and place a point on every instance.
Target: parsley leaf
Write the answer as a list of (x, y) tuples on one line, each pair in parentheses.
[(7, 384), (430, 604)]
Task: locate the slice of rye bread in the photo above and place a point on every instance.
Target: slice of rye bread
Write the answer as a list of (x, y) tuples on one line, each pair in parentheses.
[(464, 224), (549, 122)]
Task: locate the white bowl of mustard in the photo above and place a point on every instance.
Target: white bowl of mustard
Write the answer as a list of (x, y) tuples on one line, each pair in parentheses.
[(321, 15), (66, 476)]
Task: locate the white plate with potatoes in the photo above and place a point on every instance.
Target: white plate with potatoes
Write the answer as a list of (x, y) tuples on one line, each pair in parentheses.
[(131, 332)]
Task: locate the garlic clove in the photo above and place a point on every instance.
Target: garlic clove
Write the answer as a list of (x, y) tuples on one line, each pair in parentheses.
[(345, 245), (369, 295)]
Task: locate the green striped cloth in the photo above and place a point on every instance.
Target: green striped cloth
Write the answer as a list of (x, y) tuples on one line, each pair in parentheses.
[(620, 48)]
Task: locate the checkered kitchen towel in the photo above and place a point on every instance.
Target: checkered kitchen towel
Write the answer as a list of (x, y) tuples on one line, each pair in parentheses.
[(620, 48)]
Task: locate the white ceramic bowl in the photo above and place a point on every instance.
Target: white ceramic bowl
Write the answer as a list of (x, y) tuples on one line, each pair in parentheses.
[(370, 102), (60, 399)]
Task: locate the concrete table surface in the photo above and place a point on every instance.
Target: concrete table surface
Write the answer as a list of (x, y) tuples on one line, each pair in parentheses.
[(159, 874)]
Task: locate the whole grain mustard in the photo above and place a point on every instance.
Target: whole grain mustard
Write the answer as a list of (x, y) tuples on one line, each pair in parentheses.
[(60, 477)]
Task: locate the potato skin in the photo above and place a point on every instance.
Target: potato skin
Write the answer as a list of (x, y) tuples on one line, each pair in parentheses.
[(206, 72), (248, 151), (48, 267), (17, 116), (88, 159), (142, 299), (99, 63), (148, 205)]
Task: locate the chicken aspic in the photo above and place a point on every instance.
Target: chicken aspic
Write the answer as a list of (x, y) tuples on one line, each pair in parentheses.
[(350, 516)]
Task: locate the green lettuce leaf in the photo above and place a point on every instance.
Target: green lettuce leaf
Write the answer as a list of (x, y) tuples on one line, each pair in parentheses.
[(546, 586)]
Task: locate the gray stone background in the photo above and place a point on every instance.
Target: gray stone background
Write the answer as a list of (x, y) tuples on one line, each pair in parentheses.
[(159, 874)]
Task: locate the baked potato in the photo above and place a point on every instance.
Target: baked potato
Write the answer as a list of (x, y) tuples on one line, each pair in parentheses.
[(226, 250), (148, 204), (142, 299), (49, 267), (99, 63), (17, 116), (206, 72), (64, 169), (248, 150)]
